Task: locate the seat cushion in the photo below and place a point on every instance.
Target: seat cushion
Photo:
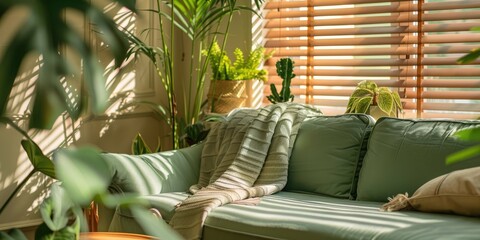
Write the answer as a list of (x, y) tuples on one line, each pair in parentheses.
[(288, 215), (328, 154), (123, 220), (403, 154)]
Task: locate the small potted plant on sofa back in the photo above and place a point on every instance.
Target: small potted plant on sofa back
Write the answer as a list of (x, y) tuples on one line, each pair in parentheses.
[(377, 101), (232, 83)]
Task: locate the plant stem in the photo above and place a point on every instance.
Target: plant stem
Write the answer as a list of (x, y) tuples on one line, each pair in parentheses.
[(189, 109), (168, 79), (173, 104), (20, 186)]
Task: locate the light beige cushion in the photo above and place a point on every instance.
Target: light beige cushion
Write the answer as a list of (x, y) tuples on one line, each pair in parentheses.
[(456, 192)]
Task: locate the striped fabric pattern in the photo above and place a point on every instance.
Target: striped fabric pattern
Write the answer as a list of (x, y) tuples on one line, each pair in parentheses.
[(244, 157)]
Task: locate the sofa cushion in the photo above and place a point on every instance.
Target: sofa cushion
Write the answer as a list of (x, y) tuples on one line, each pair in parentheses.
[(456, 192), (123, 220), (328, 153), (288, 215), (404, 154)]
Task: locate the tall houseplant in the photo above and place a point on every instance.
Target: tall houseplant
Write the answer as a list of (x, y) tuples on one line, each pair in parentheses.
[(82, 172), (201, 21)]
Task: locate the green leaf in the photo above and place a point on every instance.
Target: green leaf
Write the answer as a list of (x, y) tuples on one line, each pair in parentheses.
[(13, 234), (350, 105), (362, 92), (463, 154), (398, 101), (10, 63), (124, 200), (139, 146), (152, 225), (47, 105), (470, 57), (363, 104), (39, 161), (55, 210), (86, 164), (475, 29), (370, 85), (385, 101), (469, 134), (44, 233)]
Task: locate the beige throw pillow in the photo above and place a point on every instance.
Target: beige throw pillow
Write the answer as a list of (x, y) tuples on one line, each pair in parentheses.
[(456, 192)]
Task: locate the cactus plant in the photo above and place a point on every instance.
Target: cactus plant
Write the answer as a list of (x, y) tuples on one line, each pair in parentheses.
[(285, 71)]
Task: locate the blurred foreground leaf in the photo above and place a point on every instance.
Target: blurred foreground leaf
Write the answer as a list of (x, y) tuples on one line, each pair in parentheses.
[(154, 226), (83, 172), (463, 154), (13, 234)]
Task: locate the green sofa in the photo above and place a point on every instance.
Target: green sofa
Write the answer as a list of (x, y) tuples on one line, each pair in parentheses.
[(342, 169)]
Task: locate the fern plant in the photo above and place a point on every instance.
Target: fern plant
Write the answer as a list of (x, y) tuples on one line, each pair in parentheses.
[(243, 68), (285, 71), (368, 93)]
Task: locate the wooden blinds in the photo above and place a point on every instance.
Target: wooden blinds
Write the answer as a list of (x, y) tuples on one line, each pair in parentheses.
[(410, 46)]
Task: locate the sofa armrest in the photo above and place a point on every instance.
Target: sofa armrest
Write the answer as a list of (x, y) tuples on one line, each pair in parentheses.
[(169, 171)]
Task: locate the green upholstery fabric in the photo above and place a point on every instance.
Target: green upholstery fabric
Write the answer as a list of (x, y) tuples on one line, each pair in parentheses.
[(168, 171), (404, 154), (123, 221), (289, 215), (149, 174), (328, 153)]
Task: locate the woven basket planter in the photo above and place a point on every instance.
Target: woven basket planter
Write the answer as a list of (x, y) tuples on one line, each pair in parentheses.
[(227, 95)]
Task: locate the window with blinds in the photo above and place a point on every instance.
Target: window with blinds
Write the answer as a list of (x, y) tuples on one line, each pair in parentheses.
[(410, 46)]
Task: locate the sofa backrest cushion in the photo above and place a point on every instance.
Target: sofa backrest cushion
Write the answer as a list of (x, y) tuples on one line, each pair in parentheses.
[(328, 153), (403, 154)]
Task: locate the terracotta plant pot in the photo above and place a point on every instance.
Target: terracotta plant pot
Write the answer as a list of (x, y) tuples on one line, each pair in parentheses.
[(113, 236)]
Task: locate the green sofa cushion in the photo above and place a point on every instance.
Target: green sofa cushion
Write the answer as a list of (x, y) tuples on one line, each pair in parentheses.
[(328, 153), (288, 215), (404, 154)]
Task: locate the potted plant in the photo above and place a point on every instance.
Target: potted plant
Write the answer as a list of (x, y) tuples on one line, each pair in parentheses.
[(285, 71), (376, 101), (231, 84)]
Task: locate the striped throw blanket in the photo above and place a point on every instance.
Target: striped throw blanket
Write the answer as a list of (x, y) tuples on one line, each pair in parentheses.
[(244, 157)]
